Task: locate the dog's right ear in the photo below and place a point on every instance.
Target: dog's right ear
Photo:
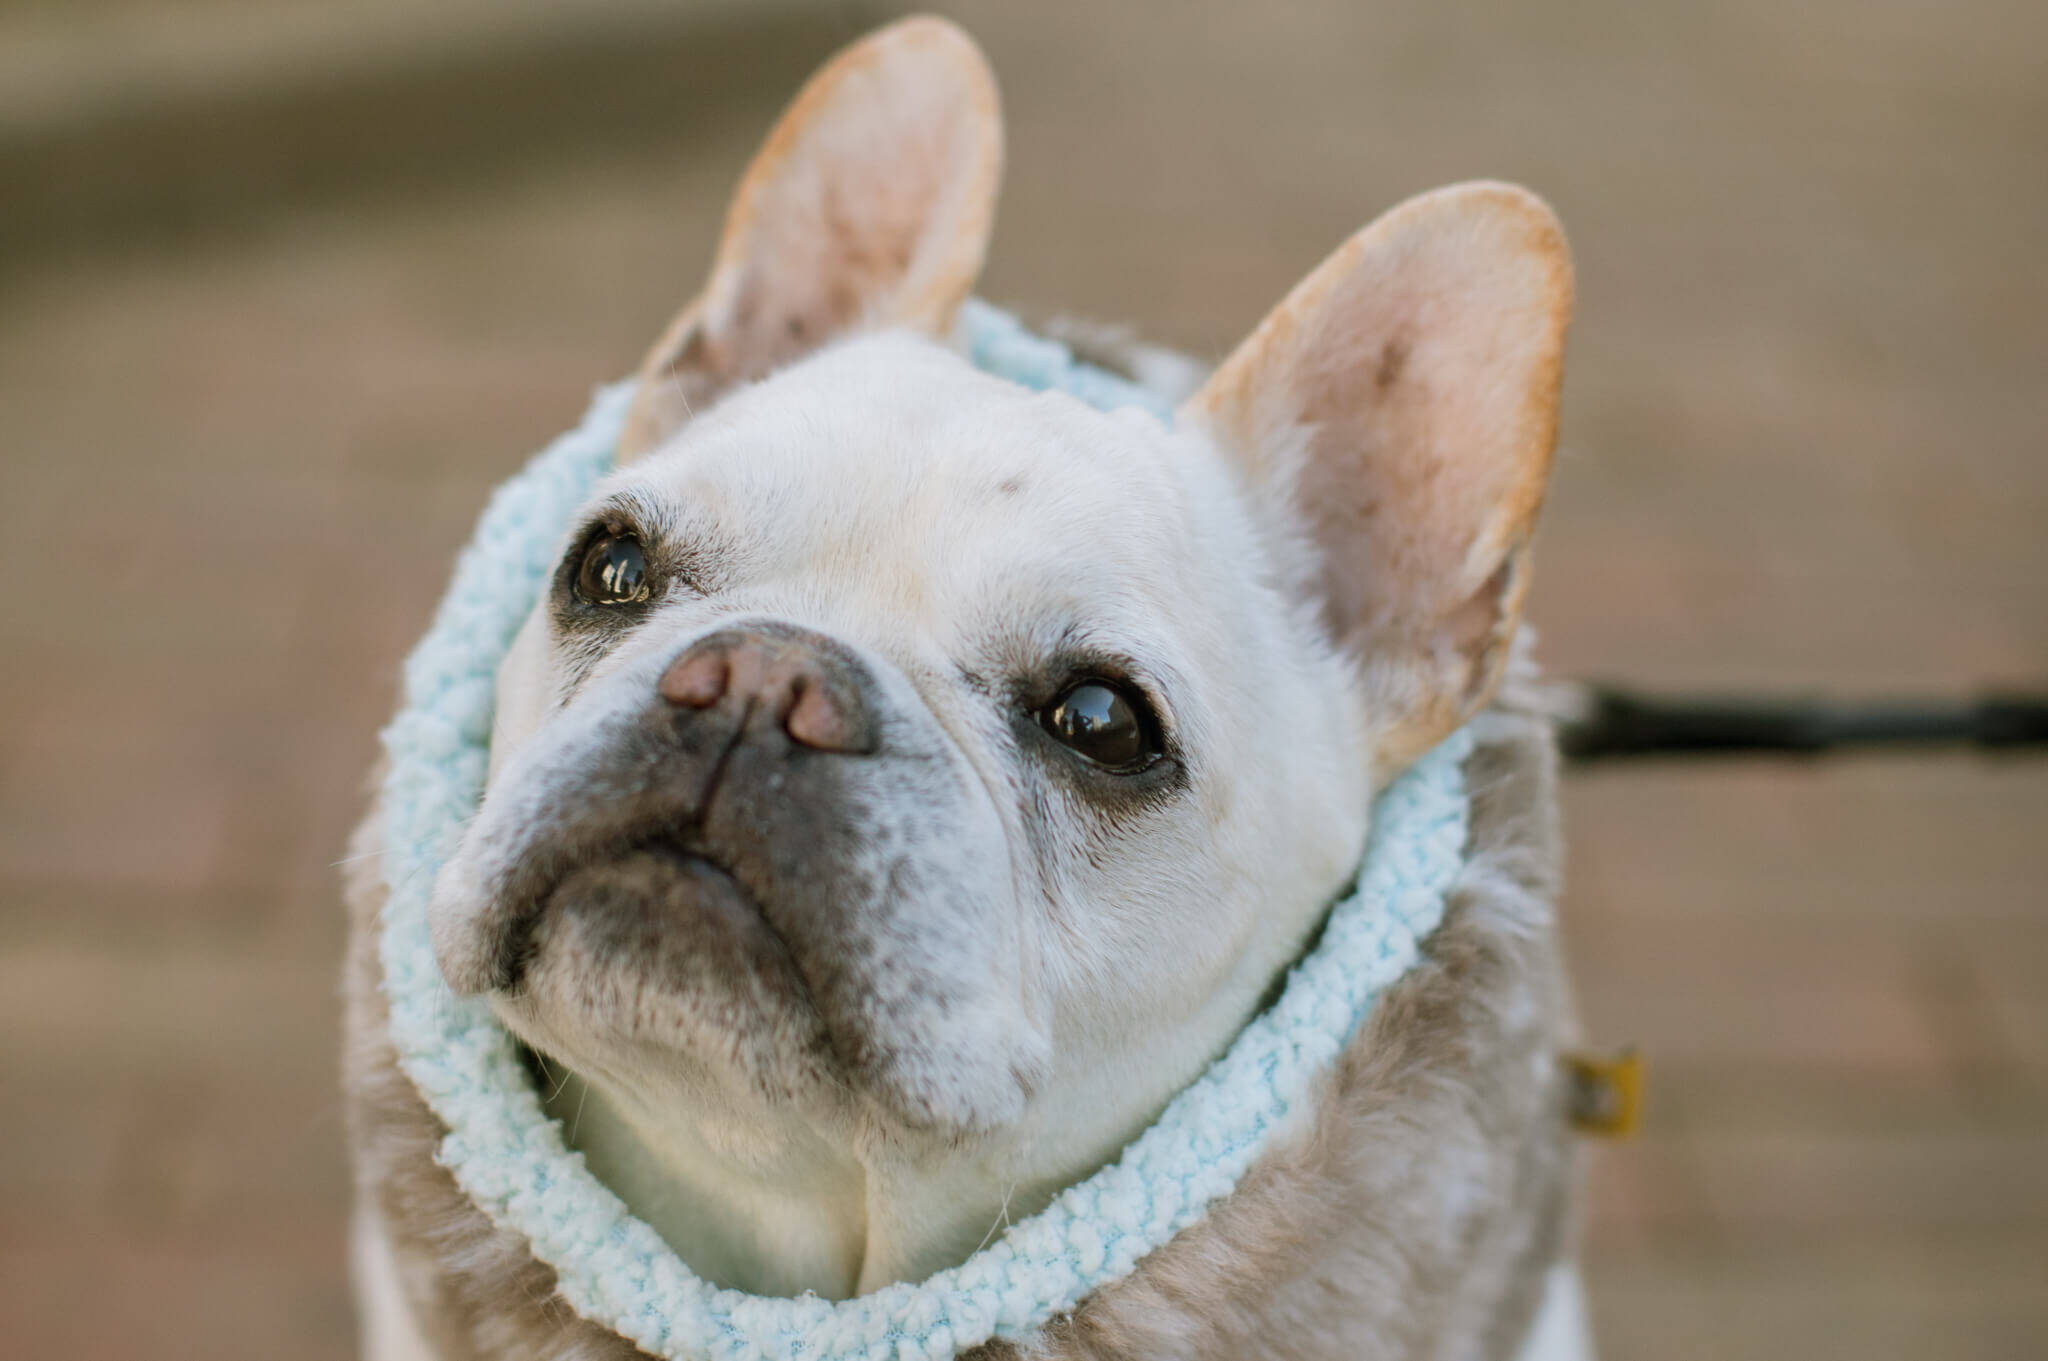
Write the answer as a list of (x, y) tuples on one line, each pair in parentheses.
[(869, 205)]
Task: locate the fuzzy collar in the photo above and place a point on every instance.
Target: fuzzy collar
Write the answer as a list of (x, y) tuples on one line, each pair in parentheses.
[(510, 1158)]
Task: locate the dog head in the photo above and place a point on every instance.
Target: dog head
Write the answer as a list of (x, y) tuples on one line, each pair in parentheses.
[(902, 757)]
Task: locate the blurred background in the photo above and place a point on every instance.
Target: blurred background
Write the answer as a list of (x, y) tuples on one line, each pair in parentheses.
[(286, 285)]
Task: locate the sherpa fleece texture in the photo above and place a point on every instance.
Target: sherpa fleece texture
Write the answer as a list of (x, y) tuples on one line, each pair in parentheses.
[(510, 1158)]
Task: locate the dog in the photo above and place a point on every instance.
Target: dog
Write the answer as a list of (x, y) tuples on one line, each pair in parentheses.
[(908, 782)]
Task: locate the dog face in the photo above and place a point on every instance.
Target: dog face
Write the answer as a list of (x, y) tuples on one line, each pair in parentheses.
[(899, 758)]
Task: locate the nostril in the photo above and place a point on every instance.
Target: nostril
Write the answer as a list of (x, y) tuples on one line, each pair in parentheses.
[(820, 721), (698, 680), (770, 681)]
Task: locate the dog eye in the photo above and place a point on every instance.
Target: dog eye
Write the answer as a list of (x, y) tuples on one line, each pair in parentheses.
[(614, 570), (1105, 723)]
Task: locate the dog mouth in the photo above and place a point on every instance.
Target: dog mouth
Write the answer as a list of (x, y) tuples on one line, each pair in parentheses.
[(636, 900), (655, 950)]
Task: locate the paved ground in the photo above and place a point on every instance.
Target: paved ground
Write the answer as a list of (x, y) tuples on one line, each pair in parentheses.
[(1805, 425)]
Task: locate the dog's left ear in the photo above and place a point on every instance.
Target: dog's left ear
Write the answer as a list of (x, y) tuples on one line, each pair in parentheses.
[(1400, 407), (869, 205)]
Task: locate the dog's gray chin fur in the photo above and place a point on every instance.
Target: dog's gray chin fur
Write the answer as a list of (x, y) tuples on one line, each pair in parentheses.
[(803, 924), (660, 950), (662, 885)]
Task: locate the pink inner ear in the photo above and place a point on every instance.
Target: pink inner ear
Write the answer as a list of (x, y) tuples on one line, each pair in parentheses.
[(1416, 373), (870, 204), (858, 222), (1426, 374)]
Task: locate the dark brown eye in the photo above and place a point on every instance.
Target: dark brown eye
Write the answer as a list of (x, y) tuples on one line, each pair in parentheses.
[(614, 571), (1103, 722)]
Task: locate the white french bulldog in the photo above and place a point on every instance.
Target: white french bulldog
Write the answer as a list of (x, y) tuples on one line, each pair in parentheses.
[(909, 782)]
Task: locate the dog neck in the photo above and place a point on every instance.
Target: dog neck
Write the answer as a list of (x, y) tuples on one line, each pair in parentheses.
[(789, 1219), (806, 1219), (773, 1207)]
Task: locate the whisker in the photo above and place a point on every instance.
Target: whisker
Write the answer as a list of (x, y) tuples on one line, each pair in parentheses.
[(577, 1122), (1002, 1217), (675, 381)]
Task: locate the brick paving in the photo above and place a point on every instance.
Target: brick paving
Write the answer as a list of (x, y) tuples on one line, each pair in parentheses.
[(1805, 426)]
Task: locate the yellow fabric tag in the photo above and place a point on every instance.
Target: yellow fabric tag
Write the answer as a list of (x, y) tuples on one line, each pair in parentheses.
[(1606, 1093)]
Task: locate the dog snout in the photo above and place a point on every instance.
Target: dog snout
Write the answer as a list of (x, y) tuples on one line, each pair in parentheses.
[(789, 679)]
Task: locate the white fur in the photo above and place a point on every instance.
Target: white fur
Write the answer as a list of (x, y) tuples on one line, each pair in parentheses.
[(385, 1322), (858, 494), (1560, 1332)]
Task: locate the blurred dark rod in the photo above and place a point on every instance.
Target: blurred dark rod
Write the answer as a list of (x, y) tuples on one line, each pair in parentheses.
[(1614, 723)]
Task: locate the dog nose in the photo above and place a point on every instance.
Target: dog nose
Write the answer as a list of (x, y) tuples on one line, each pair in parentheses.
[(803, 684)]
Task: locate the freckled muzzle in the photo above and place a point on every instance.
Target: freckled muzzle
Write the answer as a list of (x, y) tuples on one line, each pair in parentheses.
[(770, 704), (763, 829)]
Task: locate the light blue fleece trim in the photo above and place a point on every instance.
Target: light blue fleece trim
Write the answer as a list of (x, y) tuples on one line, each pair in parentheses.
[(616, 1271), (998, 343)]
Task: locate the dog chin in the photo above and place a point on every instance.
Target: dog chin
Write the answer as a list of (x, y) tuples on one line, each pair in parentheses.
[(664, 905), (659, 954), (656, 960)]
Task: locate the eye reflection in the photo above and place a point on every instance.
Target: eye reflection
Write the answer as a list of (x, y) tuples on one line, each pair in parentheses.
[(1102, 722), (613, 571)]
